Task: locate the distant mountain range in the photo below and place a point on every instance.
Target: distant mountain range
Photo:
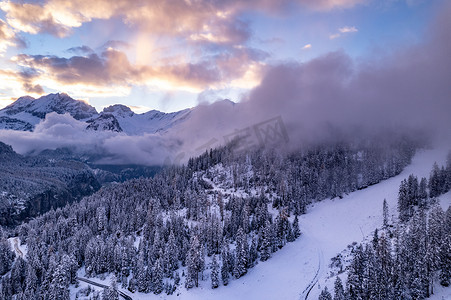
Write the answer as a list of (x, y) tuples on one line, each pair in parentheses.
[(26, 112), (33, 185)]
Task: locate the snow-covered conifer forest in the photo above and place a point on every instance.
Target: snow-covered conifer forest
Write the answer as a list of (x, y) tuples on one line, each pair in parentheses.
[(208, 224)]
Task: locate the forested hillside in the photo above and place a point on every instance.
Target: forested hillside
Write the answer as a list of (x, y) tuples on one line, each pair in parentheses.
[(33, 185), (217, 216)]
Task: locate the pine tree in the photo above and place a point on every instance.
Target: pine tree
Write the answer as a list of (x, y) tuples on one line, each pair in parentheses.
[(18, 273), (157, 276), (245, 219), (417, 289), (241, 262), (412, 182), (70, 267), (448, 172), (375, 239), (171, 254), (59, 289), (435, 235), (325, 295), (385, 213), (266, 243), (445, 250), (296, 229), (111, 293), (193, 263), (445, 261), (31, 281), (6, 255), (385, 280), (214, 273), (225, 268), (281, 227), (403, 202), (290, 236), (422, 193), (253, 253), (6, 291), (176, 279), (339, 293), (434, 182), (140, 274), (354, 288), (101, 218)]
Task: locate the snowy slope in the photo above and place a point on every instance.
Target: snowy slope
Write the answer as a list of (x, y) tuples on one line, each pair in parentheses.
[(328, 227), (334, 224)]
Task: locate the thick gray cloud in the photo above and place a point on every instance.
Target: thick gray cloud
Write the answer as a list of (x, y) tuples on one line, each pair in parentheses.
[(408, 89)]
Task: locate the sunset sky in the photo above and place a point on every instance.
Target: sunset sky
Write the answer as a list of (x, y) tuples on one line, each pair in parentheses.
[(173, 54)]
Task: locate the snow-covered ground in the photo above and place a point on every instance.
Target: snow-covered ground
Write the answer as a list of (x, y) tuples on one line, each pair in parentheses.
[(441, 293), (19, 250), (328, 227)]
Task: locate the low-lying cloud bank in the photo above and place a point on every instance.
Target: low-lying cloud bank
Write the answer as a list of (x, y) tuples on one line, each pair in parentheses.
[(63, 131), (408, 90)]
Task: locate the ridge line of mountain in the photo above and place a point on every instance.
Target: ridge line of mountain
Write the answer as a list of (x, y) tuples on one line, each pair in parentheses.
[(26, 112)]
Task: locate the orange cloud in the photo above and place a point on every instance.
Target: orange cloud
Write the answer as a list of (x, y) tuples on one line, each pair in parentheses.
[(201, 20), (197, 19), (112, 69)]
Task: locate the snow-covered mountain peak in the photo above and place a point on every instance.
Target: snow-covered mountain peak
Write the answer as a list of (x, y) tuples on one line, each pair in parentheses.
[(104, 122), (119, 110), (19, 104), (227, 101), (156, 114), (61, 103), (26, 112)]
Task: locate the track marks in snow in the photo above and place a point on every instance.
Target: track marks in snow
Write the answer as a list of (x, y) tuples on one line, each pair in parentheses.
[(306, 292)]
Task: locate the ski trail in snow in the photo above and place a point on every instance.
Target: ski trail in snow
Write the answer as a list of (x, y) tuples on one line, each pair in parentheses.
[(314, 281)]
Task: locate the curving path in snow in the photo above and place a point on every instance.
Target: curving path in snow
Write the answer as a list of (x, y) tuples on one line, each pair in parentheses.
[(308, 289)]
